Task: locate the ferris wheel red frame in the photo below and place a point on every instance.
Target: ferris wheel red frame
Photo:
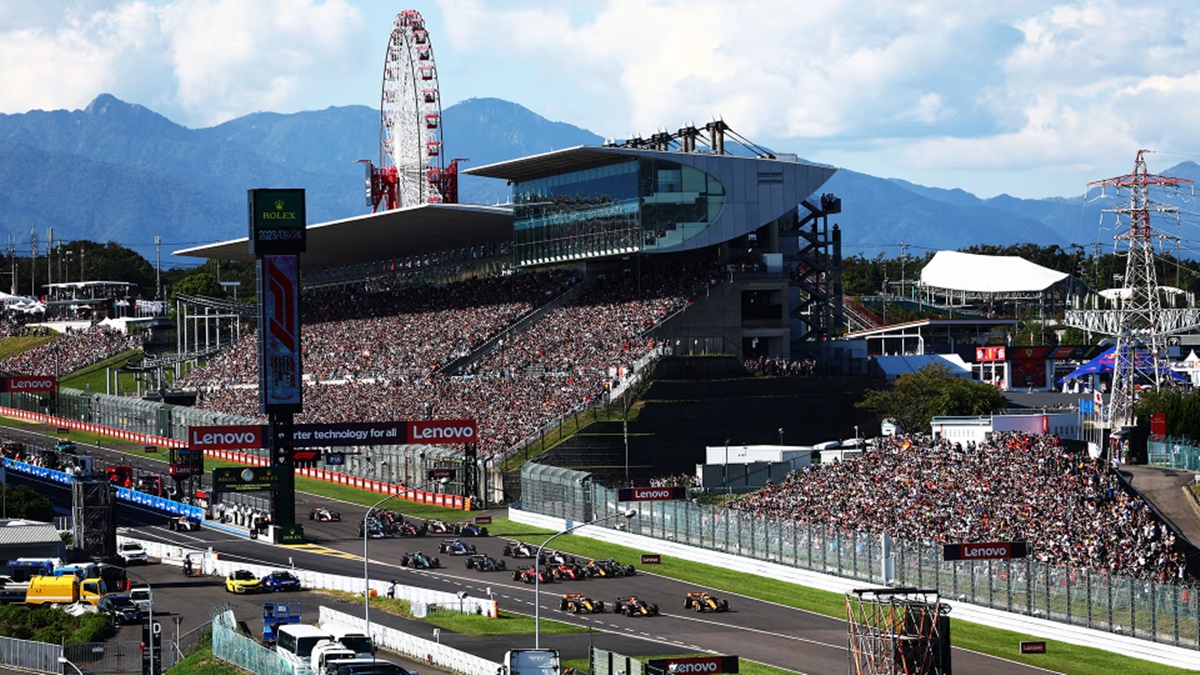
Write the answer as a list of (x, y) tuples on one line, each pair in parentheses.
[(411, 168)]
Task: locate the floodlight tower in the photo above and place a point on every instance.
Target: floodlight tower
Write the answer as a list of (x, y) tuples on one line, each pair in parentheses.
[(1140, 321)]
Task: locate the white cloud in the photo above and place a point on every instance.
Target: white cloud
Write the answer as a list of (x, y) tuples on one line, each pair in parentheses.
[(198, 61)]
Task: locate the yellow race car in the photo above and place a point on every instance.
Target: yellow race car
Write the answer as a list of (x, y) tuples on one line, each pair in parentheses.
[(703, 602), (242, 581), (578, 602)]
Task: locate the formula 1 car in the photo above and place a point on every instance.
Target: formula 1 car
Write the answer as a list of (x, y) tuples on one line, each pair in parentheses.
[(322, 514), (635, 606), (568, 571), (406, 529), (531, 574), (455, 547), (440, 527), (703, 602), (556, 558), (519, 549), (578, 602), (609, 568), (183, 524), (419, 561), (469, 529), (485, 563)]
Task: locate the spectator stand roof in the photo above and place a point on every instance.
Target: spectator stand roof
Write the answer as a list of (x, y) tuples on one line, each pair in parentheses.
[(931, 336), (895, 366), (987, 274), (398, 233)]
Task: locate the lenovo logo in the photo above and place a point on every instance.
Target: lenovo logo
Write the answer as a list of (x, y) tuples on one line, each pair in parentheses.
[(230, 437), (443, 431), (30, 384), (1001, 550), (646, 494), (696, 665)]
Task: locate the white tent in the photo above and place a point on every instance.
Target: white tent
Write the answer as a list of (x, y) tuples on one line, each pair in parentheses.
[(973, 273), (895, 366)]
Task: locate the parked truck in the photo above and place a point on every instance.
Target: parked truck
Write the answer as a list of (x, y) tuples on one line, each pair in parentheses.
[(64, 590)]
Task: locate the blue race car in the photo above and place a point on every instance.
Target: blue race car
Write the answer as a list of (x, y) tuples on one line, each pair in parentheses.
[(280, 580), (469, 529), (455, 547)]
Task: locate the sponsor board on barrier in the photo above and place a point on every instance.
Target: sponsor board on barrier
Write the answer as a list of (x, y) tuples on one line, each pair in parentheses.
[(237, 479), (438, 474), (695, 665), (650, 494), (227, 437), (250, 436), (123, 494), (999, 550), (443, 431), (32, 384), (1038, 647), (651, 559), (483, 520)]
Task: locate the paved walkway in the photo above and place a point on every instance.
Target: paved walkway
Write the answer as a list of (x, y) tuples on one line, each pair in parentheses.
[(1164, 489)]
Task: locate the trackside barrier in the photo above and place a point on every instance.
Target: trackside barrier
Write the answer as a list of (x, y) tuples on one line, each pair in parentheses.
[(421, 598), (381, 487), (435, 654), (123, 494), (145, 439), (1126, 645), (40, 657)]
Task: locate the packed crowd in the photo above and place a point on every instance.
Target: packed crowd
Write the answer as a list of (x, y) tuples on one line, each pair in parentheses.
[(682, 480), (71, 351), (780, 367), (1068, 507), (379, 359)]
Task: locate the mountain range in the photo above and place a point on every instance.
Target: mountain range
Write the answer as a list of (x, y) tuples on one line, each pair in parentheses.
[(117, 171)]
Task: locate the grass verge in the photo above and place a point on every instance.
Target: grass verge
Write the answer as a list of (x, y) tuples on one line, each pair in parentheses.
[(202, 662), (465, 624)]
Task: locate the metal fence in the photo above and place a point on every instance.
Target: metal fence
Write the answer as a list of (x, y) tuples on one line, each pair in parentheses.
[(1177, 453), (604, 662), (105, 657), (39, 657), (1165, 613), (242, 651)]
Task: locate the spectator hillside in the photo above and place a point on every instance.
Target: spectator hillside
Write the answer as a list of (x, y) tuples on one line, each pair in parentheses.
[(382, 364), (71, 351), (1018, 487)]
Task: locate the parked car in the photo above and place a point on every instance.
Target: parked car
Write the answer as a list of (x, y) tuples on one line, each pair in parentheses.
[(132, 553), (281, 580), (242, 581), (119, 609)]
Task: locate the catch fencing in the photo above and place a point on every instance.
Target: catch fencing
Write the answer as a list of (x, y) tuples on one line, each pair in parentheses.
[(1160, 612), (242, 651), (604, 662), (433, 653)]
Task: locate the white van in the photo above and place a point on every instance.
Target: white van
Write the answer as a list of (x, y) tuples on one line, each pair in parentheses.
[(141, 596), (352, 638), (295, 642)]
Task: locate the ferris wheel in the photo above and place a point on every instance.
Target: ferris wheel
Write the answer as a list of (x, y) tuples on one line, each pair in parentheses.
[(412, 168)]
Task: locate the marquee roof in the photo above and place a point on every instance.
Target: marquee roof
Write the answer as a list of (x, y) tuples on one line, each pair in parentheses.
[(973, 273)]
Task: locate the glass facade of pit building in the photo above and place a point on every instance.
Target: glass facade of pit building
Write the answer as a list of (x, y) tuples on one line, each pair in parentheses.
[(642, 204)]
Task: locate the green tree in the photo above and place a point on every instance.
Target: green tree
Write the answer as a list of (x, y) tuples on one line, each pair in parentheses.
[(24, 502), (201, 283), (1182, 409), (916, 398)]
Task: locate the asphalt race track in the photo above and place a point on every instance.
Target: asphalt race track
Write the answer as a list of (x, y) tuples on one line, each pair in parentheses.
[(755, 630)]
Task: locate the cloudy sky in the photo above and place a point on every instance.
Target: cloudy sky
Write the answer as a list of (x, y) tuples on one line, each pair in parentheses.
[(1027, 97)]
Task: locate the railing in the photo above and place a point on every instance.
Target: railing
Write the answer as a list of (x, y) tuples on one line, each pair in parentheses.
[(40, 657), (1160, 612)]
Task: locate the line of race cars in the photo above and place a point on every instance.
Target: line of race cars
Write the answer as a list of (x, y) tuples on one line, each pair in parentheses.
[(386, 523)]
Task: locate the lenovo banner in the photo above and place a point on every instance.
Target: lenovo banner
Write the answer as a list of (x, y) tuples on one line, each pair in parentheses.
[(696, 665), (1001, 550), (1033, 647), (228, 437), (30, 384), (442, 432), (348, 433), (651, 494)]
